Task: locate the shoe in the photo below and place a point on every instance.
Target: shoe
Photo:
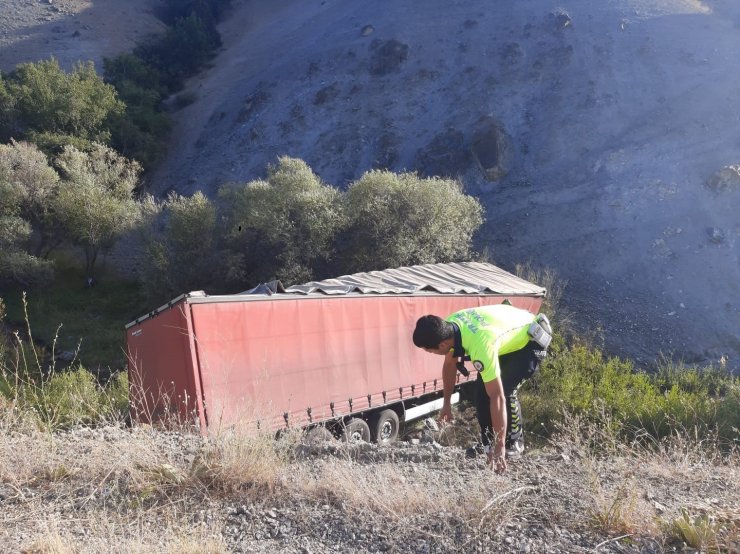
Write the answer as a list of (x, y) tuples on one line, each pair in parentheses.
[(515, 450)]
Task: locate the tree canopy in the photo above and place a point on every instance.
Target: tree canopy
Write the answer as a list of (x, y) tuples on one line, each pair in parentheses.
[(283, 227), (403, 219), (42, 102), (97, 204)]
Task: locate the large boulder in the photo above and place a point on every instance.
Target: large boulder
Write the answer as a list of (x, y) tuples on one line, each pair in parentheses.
[(490, 148), (726, 179)]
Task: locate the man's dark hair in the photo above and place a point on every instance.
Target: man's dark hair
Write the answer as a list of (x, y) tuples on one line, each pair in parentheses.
[(431, 330)]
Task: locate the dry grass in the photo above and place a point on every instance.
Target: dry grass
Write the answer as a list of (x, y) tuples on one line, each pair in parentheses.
[(232, 463), (140, 489), (50, 543)]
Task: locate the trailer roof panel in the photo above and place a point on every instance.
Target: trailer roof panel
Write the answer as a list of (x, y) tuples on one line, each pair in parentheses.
[(455, 278), (445, 278)]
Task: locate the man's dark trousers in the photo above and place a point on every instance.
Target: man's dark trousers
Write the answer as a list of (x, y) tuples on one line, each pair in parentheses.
[(516, 367)]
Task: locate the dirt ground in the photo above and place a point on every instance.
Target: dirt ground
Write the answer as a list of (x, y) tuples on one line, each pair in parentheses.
[(139, 490), (72, 30)]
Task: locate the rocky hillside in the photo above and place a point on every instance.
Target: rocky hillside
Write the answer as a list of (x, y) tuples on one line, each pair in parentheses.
[(601, 136), (72, 30)]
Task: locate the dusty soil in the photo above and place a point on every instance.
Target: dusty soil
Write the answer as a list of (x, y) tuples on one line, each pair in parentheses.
[(72, 30), (141, 490)]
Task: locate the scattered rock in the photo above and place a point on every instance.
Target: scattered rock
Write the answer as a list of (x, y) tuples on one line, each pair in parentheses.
[(387, 57), (367, 30), (716, 236), (725, 180), (251, 105), (560, 20), (326, 94), (446, 155), (386, 155), (491, 149)]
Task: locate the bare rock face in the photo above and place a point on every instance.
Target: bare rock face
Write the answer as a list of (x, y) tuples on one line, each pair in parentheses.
[(725, 180), (490, 148)]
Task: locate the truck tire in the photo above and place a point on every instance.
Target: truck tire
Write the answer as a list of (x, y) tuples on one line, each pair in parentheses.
[(385, 427), (356, 430)]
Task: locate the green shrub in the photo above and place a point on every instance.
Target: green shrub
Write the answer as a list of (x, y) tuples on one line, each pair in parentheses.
[(403, 219), (609, 391), (181, 252), (284, 227), (141, 130), (96, 204), (42, 99), (186, 46)]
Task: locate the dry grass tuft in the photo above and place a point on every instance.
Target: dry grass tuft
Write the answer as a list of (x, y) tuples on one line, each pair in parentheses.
[(234, 463), (197, 543), (616, 512), (380, 489), (50, 543)]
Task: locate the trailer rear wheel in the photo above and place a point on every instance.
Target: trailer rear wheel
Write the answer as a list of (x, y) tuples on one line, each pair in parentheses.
[(385, 427), (356, 430)]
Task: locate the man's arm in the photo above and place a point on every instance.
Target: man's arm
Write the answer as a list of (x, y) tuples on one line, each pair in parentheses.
[(495, 390), (449, 374)]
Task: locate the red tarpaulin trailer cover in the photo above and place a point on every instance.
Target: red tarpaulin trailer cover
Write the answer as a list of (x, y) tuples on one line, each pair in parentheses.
[(314, 353)]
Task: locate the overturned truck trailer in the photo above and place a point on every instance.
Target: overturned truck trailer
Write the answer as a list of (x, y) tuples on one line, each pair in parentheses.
[(328, 352)]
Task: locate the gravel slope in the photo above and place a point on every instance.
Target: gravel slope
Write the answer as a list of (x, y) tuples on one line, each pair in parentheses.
[(72, 30)]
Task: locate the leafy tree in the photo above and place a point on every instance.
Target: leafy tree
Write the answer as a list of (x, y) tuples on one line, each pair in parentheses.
[(96, 203), (46, 104), (208, 10), (402, 219), (283, 227), (181, 253), (6, 106), (139, 131), (34, 184), (16, 264), (185, 47)]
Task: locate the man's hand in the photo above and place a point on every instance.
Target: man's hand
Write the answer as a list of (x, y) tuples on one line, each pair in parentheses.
[(497, 459), (445, 414)]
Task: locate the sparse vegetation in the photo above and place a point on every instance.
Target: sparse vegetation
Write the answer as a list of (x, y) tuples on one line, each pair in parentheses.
[(639, 406)]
